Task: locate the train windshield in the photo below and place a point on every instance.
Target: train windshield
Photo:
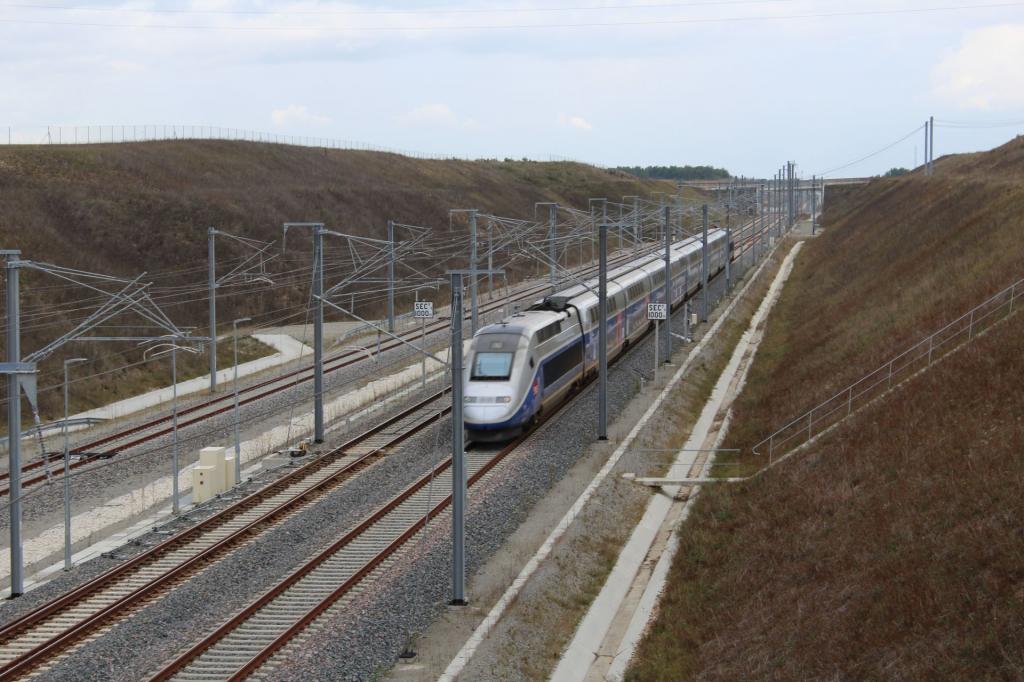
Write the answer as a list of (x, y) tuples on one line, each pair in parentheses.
[(489, 366)]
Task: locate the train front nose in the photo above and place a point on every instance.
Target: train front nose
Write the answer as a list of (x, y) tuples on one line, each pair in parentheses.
[(482, 409)]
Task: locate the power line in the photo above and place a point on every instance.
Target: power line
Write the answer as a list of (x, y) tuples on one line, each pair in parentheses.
[(394, 12), (862, 159), (977, 125), (535, 26)]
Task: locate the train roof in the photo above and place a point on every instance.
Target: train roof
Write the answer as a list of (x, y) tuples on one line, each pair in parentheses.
[(523, 323), (586, 294)]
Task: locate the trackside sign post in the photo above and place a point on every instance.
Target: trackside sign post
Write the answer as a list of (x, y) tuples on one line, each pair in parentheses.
[(423, 311), (657, 312)]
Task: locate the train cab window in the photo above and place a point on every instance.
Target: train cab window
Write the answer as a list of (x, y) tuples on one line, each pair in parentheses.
[(489, 366)]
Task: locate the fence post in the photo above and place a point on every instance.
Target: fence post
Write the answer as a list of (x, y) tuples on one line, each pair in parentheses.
[(890, 372), (849, 402), (970, 329), (810, 423), (1013, 291), (771, 445), (931, 344)]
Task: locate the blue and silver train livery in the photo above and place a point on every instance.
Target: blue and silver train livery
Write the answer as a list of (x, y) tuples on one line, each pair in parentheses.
[(531, 361)]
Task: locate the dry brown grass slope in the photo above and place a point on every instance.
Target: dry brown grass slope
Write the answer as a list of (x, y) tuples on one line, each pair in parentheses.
[(125, 208), (893, 548), (899, 259)]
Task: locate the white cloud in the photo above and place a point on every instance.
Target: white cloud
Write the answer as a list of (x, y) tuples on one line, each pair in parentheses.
[(296, 113), (577, 122), (986, 71), (434, 115)]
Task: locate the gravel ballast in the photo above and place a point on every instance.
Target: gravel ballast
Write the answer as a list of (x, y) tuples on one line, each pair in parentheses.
[(366, 638)]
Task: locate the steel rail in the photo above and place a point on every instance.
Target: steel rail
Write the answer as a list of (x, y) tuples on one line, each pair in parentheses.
[(342, 360), (276, 641), (435, 474), (55, 645)]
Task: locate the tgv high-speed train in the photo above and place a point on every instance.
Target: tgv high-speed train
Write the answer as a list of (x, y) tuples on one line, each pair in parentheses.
[(530, 361)]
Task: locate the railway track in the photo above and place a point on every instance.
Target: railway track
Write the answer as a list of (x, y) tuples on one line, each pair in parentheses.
[(244, 644), (241, 646), (38, 639), (36, 471)]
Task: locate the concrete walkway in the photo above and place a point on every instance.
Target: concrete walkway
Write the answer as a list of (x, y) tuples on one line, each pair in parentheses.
[(288, 349), (606, 638)]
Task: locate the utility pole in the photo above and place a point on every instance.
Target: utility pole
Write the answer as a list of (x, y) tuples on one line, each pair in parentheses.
[(604, 211), (668, 284), (636, 223), (782, 205), (318, 334), (238, 440), (760, 233), (67, 468), (552, 234), (728, 259), (704, 266), (14, 420), (773, 192), (474, 322), (211, 233), (391, 276), (318, 326), (814, 204), (622, 224), (788, 189), (783, 209), (490, 259), (931, 145), (927, 163), (458, 448), (602, 333), (792, 194)]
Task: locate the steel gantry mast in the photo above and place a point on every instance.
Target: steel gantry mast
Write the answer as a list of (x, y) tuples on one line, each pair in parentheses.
[(242, 270), (130, 296)]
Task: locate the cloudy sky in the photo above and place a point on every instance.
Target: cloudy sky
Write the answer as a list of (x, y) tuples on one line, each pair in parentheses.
[(744, 84)]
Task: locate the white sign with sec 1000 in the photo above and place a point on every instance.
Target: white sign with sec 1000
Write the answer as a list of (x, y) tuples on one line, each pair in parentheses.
[(657, 311), (423, 309)]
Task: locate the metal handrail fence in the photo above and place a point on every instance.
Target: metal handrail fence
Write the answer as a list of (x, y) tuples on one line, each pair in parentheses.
[(149, 132), (152, 132), (903, 366)]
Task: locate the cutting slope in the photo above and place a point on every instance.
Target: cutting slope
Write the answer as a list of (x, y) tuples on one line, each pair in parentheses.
[(892, 548), (125, 208)]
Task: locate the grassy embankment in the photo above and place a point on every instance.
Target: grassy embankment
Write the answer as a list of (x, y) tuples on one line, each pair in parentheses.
[(893, 546), (126, 208)]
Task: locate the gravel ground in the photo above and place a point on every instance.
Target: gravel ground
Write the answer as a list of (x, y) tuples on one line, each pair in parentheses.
[(136, 467), (158, 632), (81, 573), (420, 590), (365, 639)]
